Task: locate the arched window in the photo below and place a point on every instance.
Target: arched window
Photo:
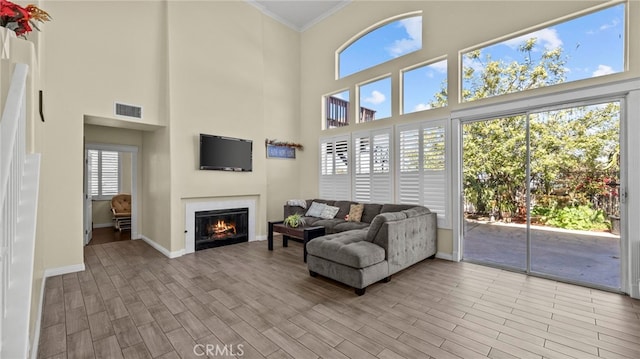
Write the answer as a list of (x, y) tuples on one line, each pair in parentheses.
[(380, 43)]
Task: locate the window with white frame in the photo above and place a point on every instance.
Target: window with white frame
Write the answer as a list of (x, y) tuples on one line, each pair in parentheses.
[(104, 173), (372, 179), (384, 42), (335, 175), (423, 167)]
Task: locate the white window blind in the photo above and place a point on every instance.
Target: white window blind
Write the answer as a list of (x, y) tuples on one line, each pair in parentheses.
[(422, 170), (362, 175), (104, 173), (335, 176), (373, 181)]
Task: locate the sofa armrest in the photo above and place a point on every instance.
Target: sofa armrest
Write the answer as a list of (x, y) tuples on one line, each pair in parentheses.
[(408, 241)]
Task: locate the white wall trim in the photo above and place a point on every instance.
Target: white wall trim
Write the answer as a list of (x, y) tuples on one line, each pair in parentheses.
[(261, 237), (52, 272), (103, 225), (134, 177), (161, 249), (33, 354), (445, 256), (628, 92), (504, 108)]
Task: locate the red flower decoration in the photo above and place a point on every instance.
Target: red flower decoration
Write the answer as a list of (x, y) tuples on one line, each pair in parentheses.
[(19, 19)]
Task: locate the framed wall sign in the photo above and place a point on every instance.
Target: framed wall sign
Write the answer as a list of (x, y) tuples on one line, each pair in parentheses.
[(274, 151)]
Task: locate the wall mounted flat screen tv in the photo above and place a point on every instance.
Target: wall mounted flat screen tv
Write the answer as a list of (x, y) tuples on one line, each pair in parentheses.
[(225, 153)]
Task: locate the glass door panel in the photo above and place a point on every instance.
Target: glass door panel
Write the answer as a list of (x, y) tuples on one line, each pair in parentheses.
[(574, 194), (494, 186)]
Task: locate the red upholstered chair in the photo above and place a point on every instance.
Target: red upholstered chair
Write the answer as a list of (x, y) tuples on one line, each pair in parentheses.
[(121, 208)]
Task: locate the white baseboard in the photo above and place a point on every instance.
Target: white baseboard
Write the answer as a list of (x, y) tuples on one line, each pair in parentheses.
[(162, 249), (445, 256), (33, 354), (260, 238), (103, 225), (51, 272)]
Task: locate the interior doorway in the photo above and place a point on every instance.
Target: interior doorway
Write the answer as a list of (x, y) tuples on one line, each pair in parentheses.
[(109, 170), (541, 193)]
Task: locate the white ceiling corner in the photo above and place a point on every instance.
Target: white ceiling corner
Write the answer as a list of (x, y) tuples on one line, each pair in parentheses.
[(299, 14)]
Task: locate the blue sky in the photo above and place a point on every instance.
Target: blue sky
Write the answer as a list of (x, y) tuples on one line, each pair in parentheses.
[(593, 45)]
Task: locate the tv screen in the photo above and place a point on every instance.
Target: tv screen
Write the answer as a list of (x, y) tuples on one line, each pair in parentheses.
[(225, 153)]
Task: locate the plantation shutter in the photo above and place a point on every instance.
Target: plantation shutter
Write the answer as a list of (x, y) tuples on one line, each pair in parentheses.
[(409, 185), (94, 187), (362, 170), (335, 181), (422, 169), (105, 173), (372, 180), (434, 171), (110, 174)]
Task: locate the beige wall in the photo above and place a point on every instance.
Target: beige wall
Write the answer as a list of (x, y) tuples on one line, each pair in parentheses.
[(233, 72), (223, 68), (448, 27), (89, 62)]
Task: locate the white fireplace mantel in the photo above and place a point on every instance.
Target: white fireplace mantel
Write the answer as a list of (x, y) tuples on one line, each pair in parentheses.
[(210, 205)]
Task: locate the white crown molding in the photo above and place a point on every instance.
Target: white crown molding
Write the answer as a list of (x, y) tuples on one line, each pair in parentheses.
[(257, 4)]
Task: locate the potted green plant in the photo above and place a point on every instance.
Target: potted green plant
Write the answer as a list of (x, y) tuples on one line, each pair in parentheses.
[(294, 220)]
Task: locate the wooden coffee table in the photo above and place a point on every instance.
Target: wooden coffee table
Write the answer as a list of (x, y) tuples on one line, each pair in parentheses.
[(305, 234)]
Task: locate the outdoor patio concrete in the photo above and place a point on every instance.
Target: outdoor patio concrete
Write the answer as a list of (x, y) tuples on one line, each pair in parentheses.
[(578, 256)]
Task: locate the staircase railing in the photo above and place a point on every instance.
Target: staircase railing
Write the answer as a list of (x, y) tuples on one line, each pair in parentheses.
[(19, 176)]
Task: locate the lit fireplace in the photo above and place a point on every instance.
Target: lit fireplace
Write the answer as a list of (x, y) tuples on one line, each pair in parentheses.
[(221, 227)]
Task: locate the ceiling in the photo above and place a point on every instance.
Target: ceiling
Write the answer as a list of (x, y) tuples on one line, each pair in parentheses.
[(299, 14)]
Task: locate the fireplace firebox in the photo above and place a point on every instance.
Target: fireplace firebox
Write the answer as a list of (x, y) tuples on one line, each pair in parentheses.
[(221, 227)]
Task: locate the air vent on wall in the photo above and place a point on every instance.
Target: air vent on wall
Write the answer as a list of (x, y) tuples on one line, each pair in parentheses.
[(128, 110)]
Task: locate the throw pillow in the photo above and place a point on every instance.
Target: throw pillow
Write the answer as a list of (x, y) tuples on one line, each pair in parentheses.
[(355, 212), (329, 212), (297, 202), (315, 210)]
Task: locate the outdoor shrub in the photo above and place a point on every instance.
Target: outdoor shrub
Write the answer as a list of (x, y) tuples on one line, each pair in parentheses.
[(578, 217)]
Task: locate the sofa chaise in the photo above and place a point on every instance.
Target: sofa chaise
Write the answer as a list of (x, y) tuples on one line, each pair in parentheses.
[(387, 239)]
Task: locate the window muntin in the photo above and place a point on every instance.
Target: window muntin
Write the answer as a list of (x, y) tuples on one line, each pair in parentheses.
[(337, 110), (585, 47), (424, 87), (380, 45), (104, 179), (375, 100)]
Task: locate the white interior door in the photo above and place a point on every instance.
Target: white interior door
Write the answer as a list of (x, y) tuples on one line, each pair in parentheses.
[(88, 207)]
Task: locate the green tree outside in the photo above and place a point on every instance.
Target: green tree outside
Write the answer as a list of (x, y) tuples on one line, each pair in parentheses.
[(574, 152)]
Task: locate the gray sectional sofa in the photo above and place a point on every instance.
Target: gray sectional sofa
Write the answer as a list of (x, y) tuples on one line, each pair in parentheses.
[(389, 238)]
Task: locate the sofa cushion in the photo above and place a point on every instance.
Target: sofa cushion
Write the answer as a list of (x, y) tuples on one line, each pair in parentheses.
[(355, 212), (395, 207), (348, 248), (310, 221), (297, 202), (329, 212), (316, 209), (348, 226), (328, 224), (380, 220), (344, 208), (371, 210)]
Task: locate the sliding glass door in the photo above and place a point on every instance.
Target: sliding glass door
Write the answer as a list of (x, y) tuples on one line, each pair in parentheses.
[(541, 193), (494, 177)]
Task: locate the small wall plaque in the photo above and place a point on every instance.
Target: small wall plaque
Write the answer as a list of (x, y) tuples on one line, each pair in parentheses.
[(280, 152)]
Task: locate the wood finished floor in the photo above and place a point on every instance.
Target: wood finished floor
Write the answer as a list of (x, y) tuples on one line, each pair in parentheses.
[(132, 302)]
